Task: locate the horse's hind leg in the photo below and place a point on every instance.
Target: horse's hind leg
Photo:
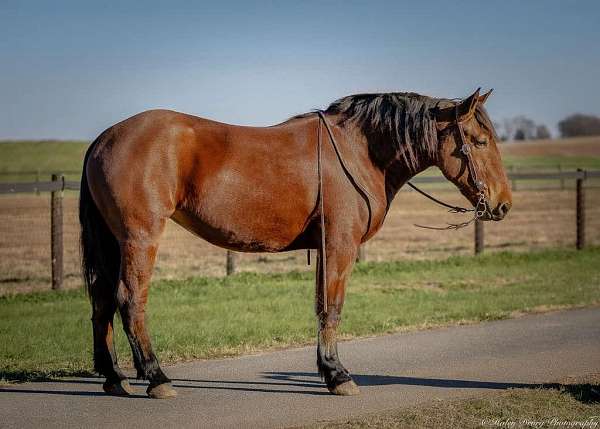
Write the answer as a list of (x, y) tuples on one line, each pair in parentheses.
[(137, 263), (105, 358)]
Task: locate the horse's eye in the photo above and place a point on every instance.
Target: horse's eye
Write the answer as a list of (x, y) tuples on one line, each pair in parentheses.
[(481, 141)]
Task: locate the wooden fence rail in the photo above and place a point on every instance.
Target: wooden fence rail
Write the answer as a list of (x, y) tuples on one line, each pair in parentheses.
[(58, 185)]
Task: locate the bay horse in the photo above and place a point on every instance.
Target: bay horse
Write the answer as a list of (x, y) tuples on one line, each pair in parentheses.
[(326, 174)]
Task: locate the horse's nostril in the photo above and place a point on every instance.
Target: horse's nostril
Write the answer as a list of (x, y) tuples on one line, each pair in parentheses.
[(502, 209)]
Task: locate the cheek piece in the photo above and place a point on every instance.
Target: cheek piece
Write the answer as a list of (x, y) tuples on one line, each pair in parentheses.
[(481, 208)]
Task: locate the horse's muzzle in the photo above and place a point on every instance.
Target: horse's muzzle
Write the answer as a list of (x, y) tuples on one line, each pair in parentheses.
[(500, 211)]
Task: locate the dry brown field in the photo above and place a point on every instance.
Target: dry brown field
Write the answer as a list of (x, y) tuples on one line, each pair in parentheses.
[(539, 219), (576, 146)]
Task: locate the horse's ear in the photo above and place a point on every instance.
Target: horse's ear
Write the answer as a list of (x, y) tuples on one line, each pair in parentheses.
[(484, 97), (466, 108), (463, 110)]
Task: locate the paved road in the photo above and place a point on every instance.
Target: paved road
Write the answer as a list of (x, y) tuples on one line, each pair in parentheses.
[(282, 388)]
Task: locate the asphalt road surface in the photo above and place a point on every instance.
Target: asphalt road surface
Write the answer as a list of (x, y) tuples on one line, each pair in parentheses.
[(282, 388)]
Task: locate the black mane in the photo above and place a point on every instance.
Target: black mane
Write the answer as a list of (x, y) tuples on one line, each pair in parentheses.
[(403, 119)]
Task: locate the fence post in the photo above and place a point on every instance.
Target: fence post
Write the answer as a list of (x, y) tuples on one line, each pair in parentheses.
[(580, 210), (562, 179), (362, 254), (478, 236), (56, 233), (230, 264), (37, 181), (514, 181)]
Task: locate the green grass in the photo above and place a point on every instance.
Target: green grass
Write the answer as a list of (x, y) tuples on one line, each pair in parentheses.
[(20, 160), (543, 407), (49, 334)]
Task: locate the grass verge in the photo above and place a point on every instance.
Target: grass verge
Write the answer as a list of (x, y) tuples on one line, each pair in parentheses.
[(21, 159), (550, 406), (49, 334)]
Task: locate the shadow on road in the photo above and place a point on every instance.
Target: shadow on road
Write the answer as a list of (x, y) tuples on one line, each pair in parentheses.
[(386, 380), (309, 383), (98, 392), (583, 392), (244, 386)]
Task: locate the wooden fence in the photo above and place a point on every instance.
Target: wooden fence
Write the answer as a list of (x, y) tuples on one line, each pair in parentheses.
[(58, 185)]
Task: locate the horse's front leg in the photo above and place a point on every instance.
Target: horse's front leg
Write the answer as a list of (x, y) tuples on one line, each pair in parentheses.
[(339, 267)]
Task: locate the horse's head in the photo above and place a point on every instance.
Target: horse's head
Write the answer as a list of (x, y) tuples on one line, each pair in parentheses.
[(468, 155)]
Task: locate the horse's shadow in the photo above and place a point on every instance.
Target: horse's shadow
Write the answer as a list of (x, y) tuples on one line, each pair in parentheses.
[(309, 383), (304, 383), (388, 380)]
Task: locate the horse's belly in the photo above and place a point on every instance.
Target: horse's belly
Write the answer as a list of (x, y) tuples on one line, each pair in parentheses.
[(245, 223), (240, 235)]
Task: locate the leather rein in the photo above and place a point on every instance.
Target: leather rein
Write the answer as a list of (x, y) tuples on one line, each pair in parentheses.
[(357, 185)]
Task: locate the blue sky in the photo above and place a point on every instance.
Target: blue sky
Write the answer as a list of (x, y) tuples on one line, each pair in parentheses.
[(71, 69)]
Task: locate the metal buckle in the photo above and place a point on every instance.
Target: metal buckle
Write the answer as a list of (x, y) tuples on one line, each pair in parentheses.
[(465, 149), (481, 202)]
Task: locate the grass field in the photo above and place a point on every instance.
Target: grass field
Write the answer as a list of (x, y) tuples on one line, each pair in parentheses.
[(20, 160), (572, 403), (49, 334)]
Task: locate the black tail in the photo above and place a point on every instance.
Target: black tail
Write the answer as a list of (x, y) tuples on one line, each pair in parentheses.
[(100, 254)]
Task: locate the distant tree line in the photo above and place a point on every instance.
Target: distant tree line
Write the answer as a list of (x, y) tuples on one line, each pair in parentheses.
[(523, 128), (579, 125)]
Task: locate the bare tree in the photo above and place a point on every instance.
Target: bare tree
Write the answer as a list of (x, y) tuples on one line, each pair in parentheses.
[(508, 128), (518, 128), (524, 127)]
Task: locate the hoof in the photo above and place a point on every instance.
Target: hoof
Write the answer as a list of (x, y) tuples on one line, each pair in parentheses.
[(120, 388), (349, 388), (161, 391)]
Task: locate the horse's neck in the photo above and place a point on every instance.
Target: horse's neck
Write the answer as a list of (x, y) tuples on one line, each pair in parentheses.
[(397, 174)]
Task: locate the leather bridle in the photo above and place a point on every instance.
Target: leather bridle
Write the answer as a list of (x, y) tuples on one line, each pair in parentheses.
[(481, 208)]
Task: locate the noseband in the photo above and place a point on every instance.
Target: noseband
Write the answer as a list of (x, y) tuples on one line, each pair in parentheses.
[(480, 208)]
